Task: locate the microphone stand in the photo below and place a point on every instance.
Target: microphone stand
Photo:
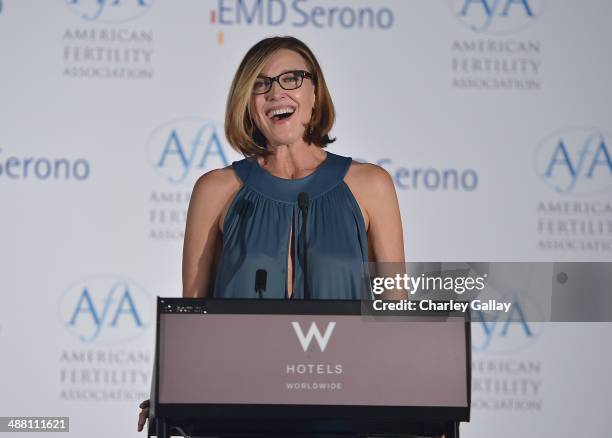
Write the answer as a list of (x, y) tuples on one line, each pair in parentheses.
[(261, 277), (303, 201)]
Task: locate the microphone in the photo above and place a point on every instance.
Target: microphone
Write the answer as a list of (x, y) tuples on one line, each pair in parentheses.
[(303, 200), (261, 278)]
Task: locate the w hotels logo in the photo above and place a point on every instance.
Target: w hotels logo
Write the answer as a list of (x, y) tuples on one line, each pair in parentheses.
[(575, 160), (105, 310), (496, 16), (313, 332), (185, 148), (110, 10)]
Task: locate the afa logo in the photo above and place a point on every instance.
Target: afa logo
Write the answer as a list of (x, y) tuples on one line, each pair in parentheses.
[(183, 149), (110, 11), (575, 160), (105, 310), (497, 16), (503, 332)]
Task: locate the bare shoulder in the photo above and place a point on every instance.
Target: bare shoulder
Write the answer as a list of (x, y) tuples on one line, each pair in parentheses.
[(217, 184), (369, 179), (212, 195), (370, 185)]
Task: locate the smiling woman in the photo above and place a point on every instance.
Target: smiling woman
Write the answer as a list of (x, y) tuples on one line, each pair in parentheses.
[(252, 93), (279, 115), (304, 219)]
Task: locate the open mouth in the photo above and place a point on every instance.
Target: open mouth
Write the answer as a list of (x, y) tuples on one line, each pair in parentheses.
[(280, 113)]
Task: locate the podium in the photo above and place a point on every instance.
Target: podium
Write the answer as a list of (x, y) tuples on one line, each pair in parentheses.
[(306, 368)]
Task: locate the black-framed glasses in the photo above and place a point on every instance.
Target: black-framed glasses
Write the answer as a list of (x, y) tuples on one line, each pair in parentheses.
[(289, 80)]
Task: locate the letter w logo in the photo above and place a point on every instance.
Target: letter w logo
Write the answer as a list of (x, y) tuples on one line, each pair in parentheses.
[(313, 331)]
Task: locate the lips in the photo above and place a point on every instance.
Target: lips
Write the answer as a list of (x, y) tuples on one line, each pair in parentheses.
[(280, 113)]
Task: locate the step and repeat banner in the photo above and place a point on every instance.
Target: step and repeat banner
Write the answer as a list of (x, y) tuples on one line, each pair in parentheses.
[(492, 117)]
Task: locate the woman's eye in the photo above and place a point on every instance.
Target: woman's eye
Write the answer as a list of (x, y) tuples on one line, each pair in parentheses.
[(260, 84)]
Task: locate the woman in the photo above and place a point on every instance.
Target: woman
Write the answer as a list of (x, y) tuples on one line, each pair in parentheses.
[(246, 217)]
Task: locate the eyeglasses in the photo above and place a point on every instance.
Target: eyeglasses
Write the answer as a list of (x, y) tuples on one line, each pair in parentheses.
[(288, 81)]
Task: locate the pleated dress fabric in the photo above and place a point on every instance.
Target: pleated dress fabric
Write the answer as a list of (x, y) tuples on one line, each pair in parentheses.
[(265, 213)]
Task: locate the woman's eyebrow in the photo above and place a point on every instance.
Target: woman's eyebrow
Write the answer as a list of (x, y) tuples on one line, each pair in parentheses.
[(282, 73)]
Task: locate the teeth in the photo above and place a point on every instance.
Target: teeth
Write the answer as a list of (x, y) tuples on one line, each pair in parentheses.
[(279, 111)]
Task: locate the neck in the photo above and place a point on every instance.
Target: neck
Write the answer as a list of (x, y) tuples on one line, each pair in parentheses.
[(293, 160)]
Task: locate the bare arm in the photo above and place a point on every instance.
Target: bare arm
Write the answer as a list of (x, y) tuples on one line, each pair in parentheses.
[(373, 188), (385, 233), (375, 193), (210, 198)]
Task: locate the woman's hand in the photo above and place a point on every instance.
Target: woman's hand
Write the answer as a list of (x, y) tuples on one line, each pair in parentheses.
[(144, 414)]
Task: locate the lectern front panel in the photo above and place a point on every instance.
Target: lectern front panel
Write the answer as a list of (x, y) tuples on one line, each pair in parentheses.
[(281, 359)]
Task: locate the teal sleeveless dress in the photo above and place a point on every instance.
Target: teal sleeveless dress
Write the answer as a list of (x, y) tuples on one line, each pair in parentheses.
[(258, 225)]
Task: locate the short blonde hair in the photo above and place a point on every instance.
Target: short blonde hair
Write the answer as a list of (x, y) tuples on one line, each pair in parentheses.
[(240, 129)]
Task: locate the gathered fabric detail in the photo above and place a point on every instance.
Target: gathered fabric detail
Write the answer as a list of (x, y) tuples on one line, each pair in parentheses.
[(258, 225)]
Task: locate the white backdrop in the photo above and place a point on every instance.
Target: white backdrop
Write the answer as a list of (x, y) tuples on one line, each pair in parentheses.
[(493, 117)]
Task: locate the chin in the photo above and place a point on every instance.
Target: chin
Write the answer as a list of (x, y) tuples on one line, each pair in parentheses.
[(285, 139)]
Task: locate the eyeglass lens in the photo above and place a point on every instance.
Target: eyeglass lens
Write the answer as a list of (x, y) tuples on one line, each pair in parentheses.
[(287, 81)]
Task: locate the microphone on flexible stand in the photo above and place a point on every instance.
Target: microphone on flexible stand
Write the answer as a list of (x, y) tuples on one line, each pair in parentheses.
[(303, 200), (261, 278)]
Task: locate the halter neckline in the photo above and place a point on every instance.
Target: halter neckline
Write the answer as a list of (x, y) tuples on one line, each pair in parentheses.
[(324, 178)]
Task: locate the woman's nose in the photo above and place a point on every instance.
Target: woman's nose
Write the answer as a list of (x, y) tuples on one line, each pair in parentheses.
[(274, 90)]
